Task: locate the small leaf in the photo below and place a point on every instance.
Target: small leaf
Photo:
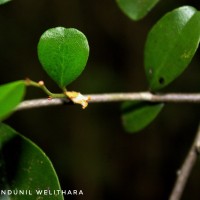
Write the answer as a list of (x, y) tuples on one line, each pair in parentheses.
[(4, 1), (136, 9), (24, 166), (11, 94), (137, 115), (63, 54), (170, 46)]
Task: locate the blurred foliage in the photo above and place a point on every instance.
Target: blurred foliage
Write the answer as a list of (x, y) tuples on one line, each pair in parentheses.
[(24, 166), (138, 115), (89, 148), (136, 9), (11, 95), (4, 1)]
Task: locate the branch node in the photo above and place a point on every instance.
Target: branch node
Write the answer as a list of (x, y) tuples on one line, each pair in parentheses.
[(78, 98)]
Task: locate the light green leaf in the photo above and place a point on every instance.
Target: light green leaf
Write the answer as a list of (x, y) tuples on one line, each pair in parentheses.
[(136, 9), (170, 46), (137, 115), (63, 54), (4, 1), (11, 94), (25, 167)]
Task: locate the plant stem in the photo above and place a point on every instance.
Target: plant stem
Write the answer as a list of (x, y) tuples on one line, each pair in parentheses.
[(186, 168), (191, 158), (60, 99), (146, 96), (113, 97), (41, 85)]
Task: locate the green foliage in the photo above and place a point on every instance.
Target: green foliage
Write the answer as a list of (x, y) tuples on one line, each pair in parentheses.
[(4, 1), (11, 94), (63, 54), (24, 166), (137, 115), (170, 46), (136, 9)]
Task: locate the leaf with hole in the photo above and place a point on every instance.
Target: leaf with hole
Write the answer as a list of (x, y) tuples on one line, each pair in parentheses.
[(137, 115), (25, 167), (11, 94), (63, 53), (170, 46), (136, 9)]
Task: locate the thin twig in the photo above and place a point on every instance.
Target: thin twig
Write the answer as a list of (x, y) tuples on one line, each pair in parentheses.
[(37, 103), (186, 168), (116, 97)]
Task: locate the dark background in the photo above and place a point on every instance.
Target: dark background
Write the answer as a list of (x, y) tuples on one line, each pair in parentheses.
[(89, 148)]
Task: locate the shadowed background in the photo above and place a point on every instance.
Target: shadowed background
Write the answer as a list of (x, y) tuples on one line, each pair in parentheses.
[(89, 148)]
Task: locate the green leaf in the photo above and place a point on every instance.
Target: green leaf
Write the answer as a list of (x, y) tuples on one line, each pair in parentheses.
[(24, 166), (137, 115), (170, 46), (4, 1), (63, 54), (11, 94), (136, 9)]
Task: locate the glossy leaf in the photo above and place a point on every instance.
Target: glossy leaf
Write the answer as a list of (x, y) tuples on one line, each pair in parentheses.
[(170, 46), (25, 167), (11, 94), (137, 115), (136, 9), (63, 54), (4, 1)]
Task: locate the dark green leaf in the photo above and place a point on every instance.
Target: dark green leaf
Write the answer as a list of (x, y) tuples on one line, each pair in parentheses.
[(63, 54), (11, 94), (137, 115), (170, 46), (25, 167), (136, 9), (4, 1)]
